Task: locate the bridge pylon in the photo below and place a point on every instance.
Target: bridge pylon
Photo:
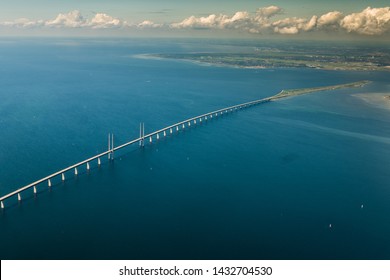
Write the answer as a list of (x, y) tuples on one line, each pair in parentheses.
[(142, 134), (110, 147)]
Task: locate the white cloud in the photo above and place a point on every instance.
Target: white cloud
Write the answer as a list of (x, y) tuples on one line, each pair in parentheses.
[(330, 19), (23, 23), (311, 24), (101, 20), (268, 12), (71, 19), (290, 30), (211, 21), (241, 20), (149, 24), (258, 23), (371, 21), (294, 25)]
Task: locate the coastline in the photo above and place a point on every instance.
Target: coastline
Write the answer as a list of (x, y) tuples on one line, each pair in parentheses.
[(251, 61)]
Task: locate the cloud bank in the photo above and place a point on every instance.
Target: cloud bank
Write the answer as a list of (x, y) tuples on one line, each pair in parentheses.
[(73, 19), (266, 20), (370, 21)]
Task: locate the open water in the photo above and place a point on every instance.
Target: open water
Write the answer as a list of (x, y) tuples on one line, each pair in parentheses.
[(301, 178)]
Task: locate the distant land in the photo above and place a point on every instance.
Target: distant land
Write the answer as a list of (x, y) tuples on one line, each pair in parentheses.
[(332, 58)]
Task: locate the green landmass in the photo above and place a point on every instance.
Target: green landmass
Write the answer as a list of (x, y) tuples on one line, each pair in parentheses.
[(295, 92), (324, 58)]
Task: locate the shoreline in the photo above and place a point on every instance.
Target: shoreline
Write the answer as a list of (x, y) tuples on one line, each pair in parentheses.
[(239, 60)]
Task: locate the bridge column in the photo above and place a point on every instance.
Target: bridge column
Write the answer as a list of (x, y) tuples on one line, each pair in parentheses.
[(200, 119), (109, 145), (211, 116), (2, 205), (49, 183), (112, 146), (158, 136), (99, 162), (142, 134), (170, 130), (19, 197), (194, 121), (75, 171), (165, 134), (183, 126), (177, 128), (35, 189), (189, 123), (63, 177), (150, 139), (88, 167)]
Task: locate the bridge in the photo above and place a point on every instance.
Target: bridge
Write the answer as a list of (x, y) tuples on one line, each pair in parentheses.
[(156, 135), (168, 130)]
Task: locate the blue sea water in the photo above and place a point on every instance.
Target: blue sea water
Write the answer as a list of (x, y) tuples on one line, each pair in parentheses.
[(263, 183)]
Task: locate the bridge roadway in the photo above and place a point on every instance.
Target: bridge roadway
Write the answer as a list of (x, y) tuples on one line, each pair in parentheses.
[(141, 139)]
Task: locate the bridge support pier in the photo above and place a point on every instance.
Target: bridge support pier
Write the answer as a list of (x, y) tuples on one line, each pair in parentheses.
[(165, 133), (75, 171), (2, 205), (141, 134), (177, 128), (99, 162), (49, 183), (63, 177), (35, 189), (183, 126), (19, 197), (170, 130), (110, 148), (88, 167), (158, 136)]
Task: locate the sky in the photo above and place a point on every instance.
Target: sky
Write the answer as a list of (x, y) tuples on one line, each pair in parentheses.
[(228, 18)]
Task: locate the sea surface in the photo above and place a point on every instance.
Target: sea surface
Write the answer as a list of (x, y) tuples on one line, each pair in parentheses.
[(300, 178)]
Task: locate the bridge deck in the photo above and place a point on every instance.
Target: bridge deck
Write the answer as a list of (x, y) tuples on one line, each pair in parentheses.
[(98, 156)]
